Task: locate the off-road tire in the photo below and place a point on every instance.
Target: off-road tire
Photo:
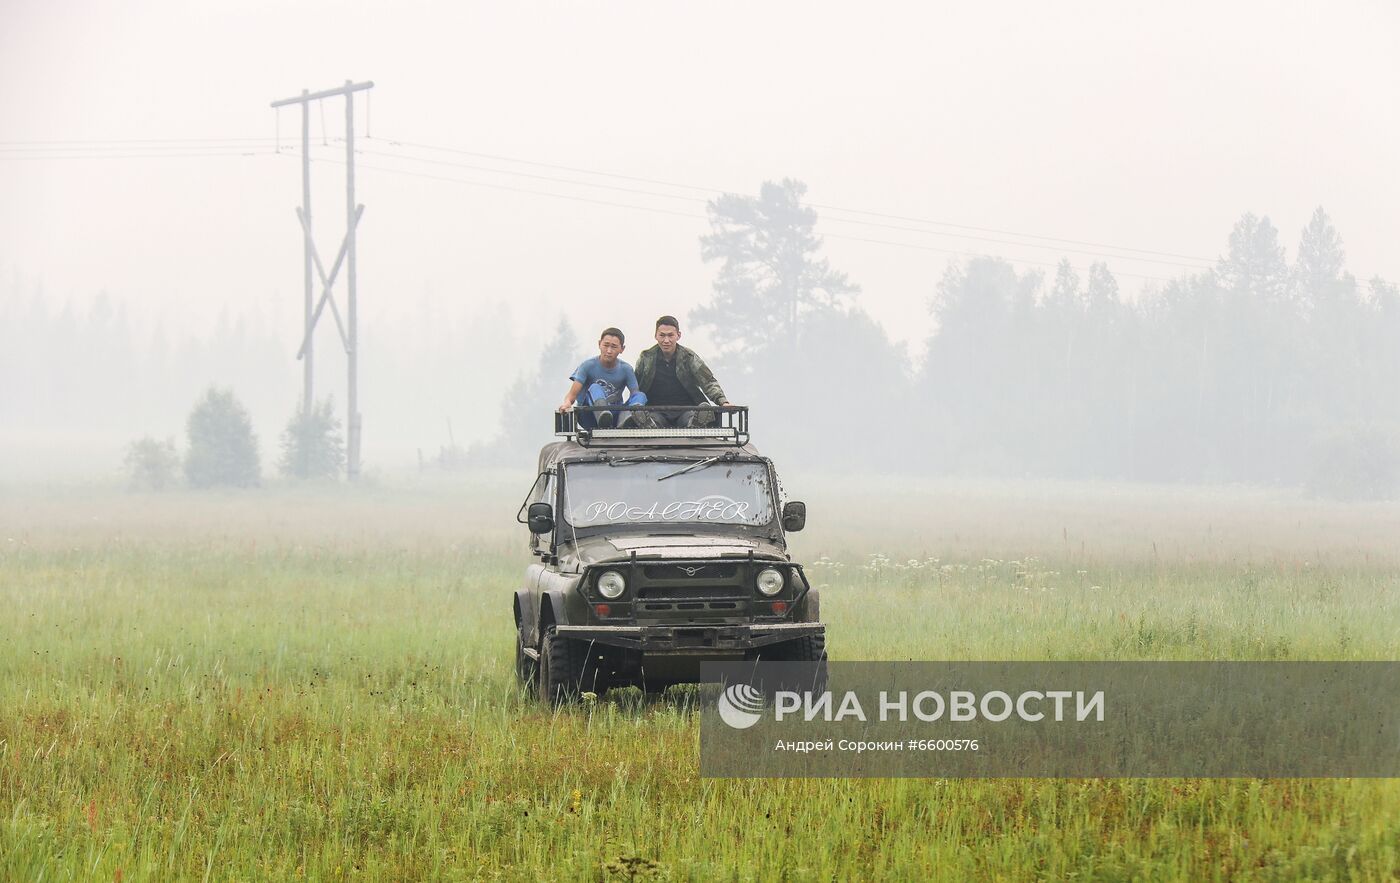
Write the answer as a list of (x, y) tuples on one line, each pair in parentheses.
[(559, 669), (527, 670), (811, 649), (566, 670)]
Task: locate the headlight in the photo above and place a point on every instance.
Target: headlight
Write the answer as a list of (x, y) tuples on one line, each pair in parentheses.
[(611, 584), (770, 581)]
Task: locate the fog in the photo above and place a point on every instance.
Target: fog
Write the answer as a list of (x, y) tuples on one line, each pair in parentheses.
[(1073, 242)]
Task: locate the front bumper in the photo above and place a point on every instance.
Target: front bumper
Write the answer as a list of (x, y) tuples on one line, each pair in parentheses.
[(691, 639)]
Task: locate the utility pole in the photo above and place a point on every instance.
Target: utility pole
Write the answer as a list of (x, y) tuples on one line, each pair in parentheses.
[(349, 330), (308, 385)]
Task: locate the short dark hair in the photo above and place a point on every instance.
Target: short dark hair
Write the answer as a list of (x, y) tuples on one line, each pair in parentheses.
[(668, 320), (613, 332)]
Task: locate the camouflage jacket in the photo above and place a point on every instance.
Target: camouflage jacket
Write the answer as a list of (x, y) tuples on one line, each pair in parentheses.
[(691, 371)]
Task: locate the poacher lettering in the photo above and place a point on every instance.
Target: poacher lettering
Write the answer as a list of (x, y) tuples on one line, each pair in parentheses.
[(707, 509)]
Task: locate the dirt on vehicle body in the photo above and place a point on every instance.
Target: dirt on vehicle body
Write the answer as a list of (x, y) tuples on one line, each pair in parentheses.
[(658, 551)]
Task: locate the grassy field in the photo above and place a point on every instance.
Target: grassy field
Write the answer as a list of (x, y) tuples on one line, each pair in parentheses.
[(286, 685)]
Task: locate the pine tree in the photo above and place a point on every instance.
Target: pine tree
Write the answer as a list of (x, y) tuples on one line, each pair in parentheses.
[(771, 275)]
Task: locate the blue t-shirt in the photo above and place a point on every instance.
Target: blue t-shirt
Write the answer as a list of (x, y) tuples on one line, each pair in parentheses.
[(620, 377)]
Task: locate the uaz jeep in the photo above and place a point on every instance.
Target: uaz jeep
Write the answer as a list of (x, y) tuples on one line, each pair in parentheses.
[(657, 549)]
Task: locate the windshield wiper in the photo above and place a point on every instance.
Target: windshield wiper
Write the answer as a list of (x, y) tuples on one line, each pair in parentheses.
[(698, 464)]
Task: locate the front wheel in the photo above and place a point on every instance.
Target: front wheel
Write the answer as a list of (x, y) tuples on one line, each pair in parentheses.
[(810, 677), (567, 670), (811, 648)]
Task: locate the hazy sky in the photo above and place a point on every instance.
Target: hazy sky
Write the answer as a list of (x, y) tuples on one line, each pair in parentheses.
[(1148, 126)]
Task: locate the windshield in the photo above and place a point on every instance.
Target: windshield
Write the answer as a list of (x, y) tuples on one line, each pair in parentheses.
[(667, 492)]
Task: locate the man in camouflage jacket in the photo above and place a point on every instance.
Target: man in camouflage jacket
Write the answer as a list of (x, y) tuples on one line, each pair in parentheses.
[(678, 376)]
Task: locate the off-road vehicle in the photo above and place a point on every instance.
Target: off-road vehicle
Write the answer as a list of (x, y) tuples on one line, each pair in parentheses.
[(658, 549)]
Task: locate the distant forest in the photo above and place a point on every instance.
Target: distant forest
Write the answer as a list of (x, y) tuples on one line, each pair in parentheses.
[(1262, 369)]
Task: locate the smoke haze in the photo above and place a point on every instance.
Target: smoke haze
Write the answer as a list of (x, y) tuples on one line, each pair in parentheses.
[(148, 246)]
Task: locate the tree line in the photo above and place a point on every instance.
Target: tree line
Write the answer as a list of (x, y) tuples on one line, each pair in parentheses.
[(1259, 370), (92, 374), (1267, 368)]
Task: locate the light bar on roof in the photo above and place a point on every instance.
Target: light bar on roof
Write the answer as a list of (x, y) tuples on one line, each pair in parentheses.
[(663, 432)]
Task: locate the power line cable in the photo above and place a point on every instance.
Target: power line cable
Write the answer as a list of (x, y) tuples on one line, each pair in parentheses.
[(693, 216), (476, 168), (66, 156), (249, 147), (900, 227), (828, 207), (136, 149), (968, 254), (507, 187), (94, 141), (1167, 254), (562, 168), (174, 143)]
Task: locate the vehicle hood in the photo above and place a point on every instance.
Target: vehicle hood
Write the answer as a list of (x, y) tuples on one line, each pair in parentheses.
[(595, 550)]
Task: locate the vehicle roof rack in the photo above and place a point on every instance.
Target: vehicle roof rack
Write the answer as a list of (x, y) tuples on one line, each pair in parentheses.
[(729, 430)]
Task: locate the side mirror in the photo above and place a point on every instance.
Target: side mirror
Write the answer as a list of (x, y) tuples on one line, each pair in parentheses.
[(794, 516), (541, 517)]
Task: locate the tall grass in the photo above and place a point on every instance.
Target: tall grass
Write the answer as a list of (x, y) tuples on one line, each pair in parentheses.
[(279, 686)]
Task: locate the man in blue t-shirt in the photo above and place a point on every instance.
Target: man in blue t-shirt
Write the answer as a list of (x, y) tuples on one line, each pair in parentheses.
[(602, 381)]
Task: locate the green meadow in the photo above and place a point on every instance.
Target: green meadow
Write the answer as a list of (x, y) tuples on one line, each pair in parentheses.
[(316, 684)]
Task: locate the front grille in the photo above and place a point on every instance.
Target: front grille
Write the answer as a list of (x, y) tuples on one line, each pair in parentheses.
[(669, 605), (691, 590), (705, 571), (674, 593)]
